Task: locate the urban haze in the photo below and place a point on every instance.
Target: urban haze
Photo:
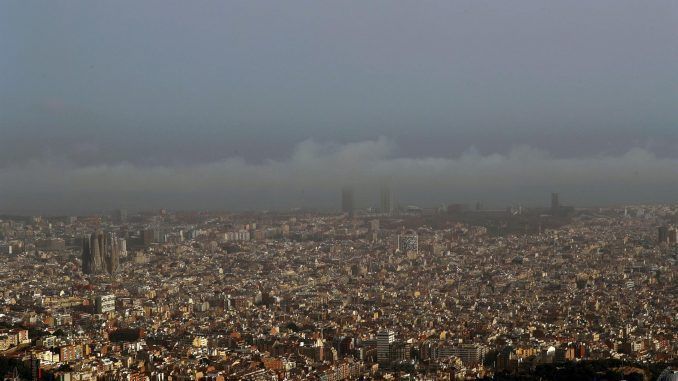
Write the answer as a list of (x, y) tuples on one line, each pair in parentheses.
[(338, 190), (243, 105)]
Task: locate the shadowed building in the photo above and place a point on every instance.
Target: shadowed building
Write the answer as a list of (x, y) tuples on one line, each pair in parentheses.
[(555, 203), (120, 216), (384, 339), (347, 200), (385, 200)]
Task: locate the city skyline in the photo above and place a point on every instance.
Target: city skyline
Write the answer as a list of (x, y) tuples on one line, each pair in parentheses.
[(310, 179)]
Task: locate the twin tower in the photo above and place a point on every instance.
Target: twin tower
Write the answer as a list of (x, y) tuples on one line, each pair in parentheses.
[(100, 253)]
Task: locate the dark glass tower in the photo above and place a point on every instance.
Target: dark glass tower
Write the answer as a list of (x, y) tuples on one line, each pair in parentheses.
[(347, 200), (385, 200)]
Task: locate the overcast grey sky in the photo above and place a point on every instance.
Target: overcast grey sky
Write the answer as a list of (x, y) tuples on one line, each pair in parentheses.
[(272, 104)]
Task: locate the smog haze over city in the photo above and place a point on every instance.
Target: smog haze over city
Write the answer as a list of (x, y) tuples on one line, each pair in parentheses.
[(273, 105), (338, 190)]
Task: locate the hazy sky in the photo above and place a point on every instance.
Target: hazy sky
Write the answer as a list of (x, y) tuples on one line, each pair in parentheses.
[(272, 104)]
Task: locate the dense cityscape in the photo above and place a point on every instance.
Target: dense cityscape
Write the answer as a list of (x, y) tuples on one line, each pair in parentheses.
[(389, 292), (398, 190)]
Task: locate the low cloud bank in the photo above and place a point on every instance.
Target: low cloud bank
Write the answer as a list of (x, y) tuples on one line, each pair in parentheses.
[(313, 175)]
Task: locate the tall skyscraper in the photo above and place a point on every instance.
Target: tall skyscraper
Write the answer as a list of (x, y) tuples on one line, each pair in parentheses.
[(555, 203), (384, 339), (385, 200), (120, 216), (100, 253), (347, 200)]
